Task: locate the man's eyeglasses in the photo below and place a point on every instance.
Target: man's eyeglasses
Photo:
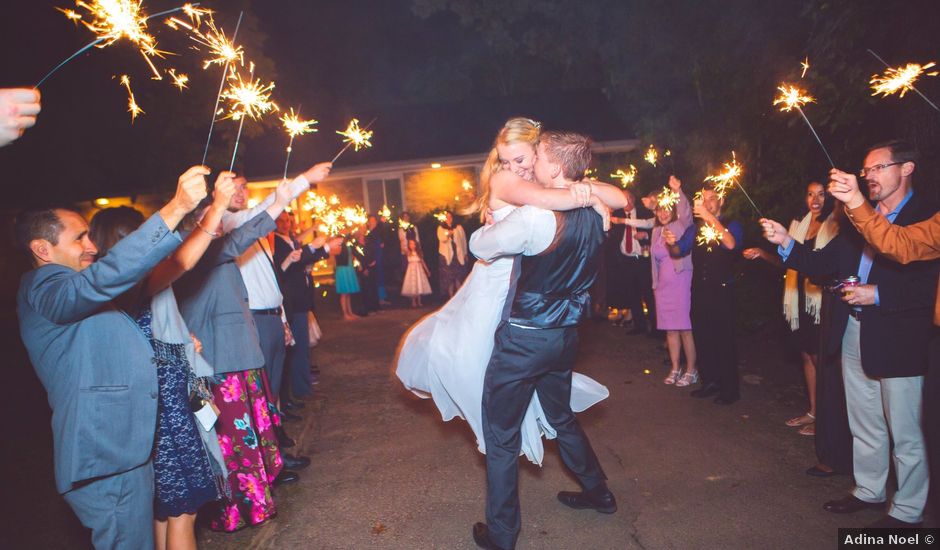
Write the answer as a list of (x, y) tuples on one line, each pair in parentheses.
[(876, 168)]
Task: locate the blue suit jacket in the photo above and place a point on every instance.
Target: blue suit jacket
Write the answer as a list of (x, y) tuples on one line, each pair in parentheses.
[(214, 301), (95, 363)]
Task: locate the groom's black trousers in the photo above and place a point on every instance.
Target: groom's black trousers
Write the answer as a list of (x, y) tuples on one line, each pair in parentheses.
[(523, 361)]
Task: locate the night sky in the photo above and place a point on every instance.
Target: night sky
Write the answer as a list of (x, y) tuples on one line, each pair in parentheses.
[(697, 73)]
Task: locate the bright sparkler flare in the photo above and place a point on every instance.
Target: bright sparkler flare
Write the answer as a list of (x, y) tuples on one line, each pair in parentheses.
[(196, 13), (295, 126), (132, 107), (708, 235), (652, 155), (112, 20), (334, 200), (792, 97), (466, 185), (900, 79), (625, 177), (404, 225), (728, 176), (385, 212), (441, 217), (179, 80), (358, 137), (248, 97), (805, 65), (667, 199)]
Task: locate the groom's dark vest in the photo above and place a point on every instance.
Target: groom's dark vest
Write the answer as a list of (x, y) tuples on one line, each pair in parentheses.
[(552, 289)]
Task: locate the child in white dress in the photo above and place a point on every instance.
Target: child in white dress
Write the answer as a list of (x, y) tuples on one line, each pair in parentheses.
[(415, 283)]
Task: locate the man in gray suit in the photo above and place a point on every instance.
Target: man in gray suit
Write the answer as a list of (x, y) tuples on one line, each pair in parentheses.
[(96, 365)]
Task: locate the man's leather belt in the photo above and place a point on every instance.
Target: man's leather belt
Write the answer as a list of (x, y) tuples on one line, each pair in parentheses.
[(272, 311)]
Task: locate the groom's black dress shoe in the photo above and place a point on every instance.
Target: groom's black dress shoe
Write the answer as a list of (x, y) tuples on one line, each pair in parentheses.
[(295, 462), (707, 390), (481, 536), (284, 441), (599, 499)]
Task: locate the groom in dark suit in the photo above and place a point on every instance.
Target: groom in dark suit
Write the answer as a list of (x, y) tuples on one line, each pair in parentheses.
[(536, 343)]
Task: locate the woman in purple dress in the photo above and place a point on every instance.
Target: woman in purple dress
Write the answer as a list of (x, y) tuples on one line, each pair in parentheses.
[(672, 284)]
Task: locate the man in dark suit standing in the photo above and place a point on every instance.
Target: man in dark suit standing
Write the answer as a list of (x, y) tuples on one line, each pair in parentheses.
[(292, 259), (629, 279), (103, 396), (885, 319)]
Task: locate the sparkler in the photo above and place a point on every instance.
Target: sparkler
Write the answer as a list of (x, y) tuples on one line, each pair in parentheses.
[(295, 127), (359, 138), (132, 106), (249, 99), (384, 212), (667, 199), (626, 178), (805, 65), (791, 98), (113, 20), (728, 178), (652, 155), (179, 80), (441, 217), (466, 186), (900, 79), (708, 235), (234, 52)]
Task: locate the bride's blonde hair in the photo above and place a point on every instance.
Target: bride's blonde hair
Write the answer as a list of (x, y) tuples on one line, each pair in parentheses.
[(516, 130)]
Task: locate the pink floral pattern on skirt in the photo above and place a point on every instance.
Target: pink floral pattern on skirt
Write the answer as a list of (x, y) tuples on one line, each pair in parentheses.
[(249, 447)]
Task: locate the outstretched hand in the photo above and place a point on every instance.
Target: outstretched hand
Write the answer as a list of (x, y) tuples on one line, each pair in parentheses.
[(774, 232), (224, 190), (18, 110)]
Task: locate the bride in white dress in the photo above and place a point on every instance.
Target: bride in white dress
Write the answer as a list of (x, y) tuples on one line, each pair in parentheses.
[(444, 356)]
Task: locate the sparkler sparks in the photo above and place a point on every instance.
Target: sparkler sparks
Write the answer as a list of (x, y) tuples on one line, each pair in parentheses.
[(652, 155), (805, 65), (792, 97), (295, 126), (132, 106), (466, 185), (708, 236), (625, 177), (359, 138), (179, 80), (441, 217), (384, 212), (667, 199), (900, 79), (195, 13), (729, 175), (248, 97)]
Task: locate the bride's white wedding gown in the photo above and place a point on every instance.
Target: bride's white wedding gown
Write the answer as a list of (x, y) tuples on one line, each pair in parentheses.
[(444, 356)]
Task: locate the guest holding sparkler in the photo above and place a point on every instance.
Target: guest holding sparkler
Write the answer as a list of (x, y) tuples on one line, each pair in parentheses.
[(407, 231), (214, 303), (713, 299), (96, 365), (628, 267), (452, 252), (802, 297), (919, 241), (292, 260), (885, 324), (187, 461), (18, 110), (265, 299)]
